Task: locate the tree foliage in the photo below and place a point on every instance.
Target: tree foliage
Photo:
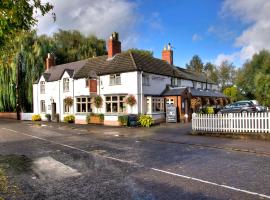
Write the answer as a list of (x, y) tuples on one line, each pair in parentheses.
[(195, 65), (34, 50), (233, 92), (226, 74), (19, 15), (141, 51)]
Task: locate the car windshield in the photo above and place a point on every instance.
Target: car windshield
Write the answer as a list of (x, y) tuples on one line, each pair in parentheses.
[(255, 102)]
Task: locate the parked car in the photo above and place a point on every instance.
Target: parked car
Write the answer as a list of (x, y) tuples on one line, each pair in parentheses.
[(258, 107), (239, 107)]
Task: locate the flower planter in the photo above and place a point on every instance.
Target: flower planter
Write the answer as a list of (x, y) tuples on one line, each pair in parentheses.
[(95, 120)]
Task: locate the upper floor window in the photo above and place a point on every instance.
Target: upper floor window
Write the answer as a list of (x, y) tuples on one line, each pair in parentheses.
[(42, 87), (115, 79), (174, 82), (145, 80), (66, 84)]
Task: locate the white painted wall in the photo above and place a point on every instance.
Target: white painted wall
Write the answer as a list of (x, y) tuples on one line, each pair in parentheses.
[(157, 84)]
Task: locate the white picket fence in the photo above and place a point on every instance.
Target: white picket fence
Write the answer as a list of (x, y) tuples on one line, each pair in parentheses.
[(233, 122)]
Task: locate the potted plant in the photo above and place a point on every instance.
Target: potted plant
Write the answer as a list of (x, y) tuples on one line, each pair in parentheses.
[(68, 101), (48, 117), (131, 101), (94, 118), (98, 101)]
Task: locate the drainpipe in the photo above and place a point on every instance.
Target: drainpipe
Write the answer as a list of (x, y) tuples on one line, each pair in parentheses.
[(73, 97), (37, 99), (59, 101), (141, 92)]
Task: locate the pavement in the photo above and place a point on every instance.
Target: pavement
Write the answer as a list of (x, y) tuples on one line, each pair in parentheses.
[(162, 162)]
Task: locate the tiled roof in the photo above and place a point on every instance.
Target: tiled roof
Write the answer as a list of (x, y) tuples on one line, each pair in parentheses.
[(173, 91), (121, 62), (55, 73), (205, 93)]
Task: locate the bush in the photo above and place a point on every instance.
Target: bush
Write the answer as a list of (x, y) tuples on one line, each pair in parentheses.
[(36, 118), (207, 110), (123, 120), (69, 119), (145, 120), (48, 116)]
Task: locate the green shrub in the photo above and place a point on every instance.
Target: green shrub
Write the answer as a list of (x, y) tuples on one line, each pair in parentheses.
[(48, 116), (36, 118), (210, 110), (207, 110), (123, 120), (69, 119), (145, 120)]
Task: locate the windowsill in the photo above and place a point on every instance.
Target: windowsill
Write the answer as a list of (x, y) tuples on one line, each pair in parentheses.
[(114, 84), (116, 114), (156, 113), (146, 85), (66, 91)]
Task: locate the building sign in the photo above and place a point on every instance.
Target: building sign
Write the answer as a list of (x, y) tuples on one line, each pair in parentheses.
[(171, 114), (158, 78)]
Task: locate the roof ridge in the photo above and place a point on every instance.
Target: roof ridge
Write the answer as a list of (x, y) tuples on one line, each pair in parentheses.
[(133, 61)]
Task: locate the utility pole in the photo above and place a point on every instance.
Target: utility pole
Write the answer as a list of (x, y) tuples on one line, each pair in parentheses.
[(18, 88)]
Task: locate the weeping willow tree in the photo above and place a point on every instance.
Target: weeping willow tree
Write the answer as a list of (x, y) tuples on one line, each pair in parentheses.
[(68, 46)]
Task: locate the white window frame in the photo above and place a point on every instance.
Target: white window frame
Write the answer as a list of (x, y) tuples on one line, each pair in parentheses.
[(42, 106), (66, 84), (115, 99), (42, 87), (80, 102), (115, 79), (152, 103), (66, 108)]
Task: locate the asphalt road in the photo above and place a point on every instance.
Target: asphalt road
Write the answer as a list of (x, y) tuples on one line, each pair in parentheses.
[(122, 163)]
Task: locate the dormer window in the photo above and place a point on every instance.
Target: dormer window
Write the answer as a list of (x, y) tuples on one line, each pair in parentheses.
[(66, 84), (42, 87), (115, 79)]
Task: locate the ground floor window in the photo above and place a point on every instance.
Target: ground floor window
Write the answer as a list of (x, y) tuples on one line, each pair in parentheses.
[(155, 104), (83, 104), (66, 108), (42, 106), (115, 104)]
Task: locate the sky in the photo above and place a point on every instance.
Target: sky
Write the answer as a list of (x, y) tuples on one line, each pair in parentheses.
[(216, 30)]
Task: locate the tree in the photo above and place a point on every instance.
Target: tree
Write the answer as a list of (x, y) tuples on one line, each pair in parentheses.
[(226, 74), (233, 93), (211, 72), (195, 65), (262, 85), (245, 76), (141, 51), (17, 16)]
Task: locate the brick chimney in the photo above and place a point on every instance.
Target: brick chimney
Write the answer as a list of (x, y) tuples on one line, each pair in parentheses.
[(50, 61), (114, 45), (167, 54)]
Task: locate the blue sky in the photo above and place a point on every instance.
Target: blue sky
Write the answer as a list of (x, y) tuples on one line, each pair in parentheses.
[(216, 30)]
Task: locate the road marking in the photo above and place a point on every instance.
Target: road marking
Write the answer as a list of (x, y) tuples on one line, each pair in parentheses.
[(211, 183), (153, 169)]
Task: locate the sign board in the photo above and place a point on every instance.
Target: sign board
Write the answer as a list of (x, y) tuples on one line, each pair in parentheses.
[(132, 120), (171, 113)]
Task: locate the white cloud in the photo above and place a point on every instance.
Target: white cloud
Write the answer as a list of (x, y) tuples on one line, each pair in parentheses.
[(255, 14), (226, 57), (196, 37), (99, 17)]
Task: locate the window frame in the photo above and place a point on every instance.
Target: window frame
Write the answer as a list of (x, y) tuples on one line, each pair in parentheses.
[(120, 99), (115, 79), (87, 104), (42, 87), (66, 84), (145, 80), (42, 106)]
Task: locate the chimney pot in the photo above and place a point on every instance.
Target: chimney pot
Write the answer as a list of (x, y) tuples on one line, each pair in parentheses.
[(167, 54), (114, 45)]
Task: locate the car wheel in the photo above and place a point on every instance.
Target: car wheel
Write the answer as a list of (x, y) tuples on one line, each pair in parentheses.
[(244, 112)]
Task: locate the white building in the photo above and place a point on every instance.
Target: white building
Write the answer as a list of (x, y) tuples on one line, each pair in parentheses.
[(114, 77)]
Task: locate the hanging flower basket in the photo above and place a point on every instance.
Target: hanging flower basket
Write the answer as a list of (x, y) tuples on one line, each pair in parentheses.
[(98, 101), (68, 101), (131, 100)]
